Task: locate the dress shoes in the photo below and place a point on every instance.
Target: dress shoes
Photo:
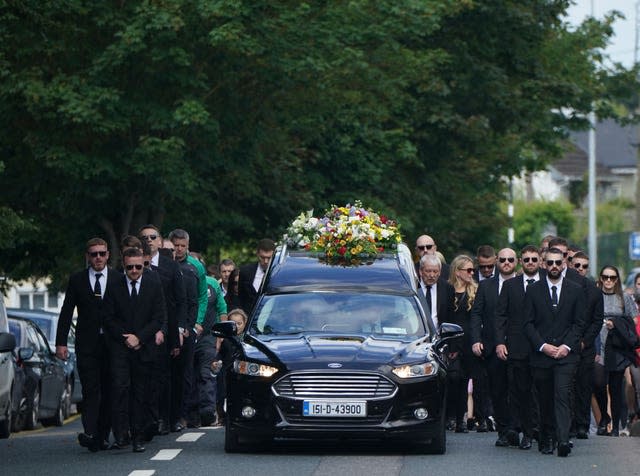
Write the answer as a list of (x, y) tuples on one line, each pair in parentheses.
[(614, 432), (104, 445), (163, 428), (564, 449), (513, 438), (545, 446), (451, 425), (482, 427), (138, 447), (119, 444), (582, 434), (502, 441), (461, 427), (89, 442), (177, 427), (471, 423), (525, 443)]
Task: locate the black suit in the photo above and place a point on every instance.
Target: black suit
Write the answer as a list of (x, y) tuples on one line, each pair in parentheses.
[(483, 330), (247, 295), (559, 325), (90, 348), (142, 316), (444, 300), (509, 325)]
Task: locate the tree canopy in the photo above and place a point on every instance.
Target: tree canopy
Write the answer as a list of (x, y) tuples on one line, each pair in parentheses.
[(229, 117)]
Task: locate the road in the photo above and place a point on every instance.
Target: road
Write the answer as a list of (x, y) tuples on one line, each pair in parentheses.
[(200, 452)]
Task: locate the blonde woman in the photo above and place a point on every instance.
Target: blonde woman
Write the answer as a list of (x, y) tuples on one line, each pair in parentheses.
[(461, 278)]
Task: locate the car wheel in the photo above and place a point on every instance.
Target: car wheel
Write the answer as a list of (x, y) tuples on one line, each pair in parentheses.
[(66, 399), (18, 422), (33, 415), (58, 418), (5, 425), (438, 444)]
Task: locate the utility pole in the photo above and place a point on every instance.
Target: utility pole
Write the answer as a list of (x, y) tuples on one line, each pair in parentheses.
[(593, 239)]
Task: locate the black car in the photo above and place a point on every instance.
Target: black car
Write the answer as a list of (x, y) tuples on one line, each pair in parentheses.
[(334, 351), (45, 378)]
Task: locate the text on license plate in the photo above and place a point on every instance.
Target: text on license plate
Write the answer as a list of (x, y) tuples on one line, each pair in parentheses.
[(333, 408)]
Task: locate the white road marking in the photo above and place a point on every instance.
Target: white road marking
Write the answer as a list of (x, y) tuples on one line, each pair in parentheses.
[(189, 437), (166, 455), (211, 427), (143, 472)]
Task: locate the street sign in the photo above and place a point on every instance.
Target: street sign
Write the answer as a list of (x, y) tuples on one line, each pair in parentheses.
[(634, 245)]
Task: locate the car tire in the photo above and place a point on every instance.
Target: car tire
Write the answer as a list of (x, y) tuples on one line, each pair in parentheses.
[(66, 404), (18, 422), (5, 425), (438, 443), (58, 418), (33, 414)]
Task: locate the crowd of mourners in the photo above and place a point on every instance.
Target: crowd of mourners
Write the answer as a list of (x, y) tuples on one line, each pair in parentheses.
[(548, 354)]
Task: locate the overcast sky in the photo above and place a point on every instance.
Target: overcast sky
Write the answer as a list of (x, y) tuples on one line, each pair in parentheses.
[(623, 43)]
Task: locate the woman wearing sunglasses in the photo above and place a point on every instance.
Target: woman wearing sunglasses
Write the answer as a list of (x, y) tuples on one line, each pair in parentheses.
[(617, 340)]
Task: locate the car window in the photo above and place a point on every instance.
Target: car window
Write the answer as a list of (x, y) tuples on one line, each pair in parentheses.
[(16, 330), (32, 339), (44, 324), (42, 343), (360, 313)]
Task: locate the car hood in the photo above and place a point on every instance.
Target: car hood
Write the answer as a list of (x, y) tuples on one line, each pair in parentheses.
[(304, 352)]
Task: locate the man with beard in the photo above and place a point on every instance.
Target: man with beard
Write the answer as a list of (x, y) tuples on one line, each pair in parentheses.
[(554, 310)]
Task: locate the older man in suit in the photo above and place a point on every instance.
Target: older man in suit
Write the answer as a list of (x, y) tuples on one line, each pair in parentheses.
[(555, 320), (438, 293), (133, 313), (251, 275), (85, 293)]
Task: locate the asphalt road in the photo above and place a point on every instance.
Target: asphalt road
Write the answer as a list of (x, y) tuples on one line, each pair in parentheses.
[(55, 451)]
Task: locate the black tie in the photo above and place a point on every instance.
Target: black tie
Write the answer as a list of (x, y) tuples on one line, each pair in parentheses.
[(530, 281), (134, 292), (428, 296), (97, 289), (554, 296)]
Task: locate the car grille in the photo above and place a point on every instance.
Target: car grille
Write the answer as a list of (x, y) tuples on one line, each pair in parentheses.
[(334, 385)]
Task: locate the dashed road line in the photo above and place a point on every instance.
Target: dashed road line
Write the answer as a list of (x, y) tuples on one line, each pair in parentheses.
[(189, 437), (166, 455), (143, 472)]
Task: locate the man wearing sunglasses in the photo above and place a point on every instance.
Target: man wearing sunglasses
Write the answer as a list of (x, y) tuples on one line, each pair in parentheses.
[(554, 310), (483, 337), (134, 312), (85, 293), (513, 346), (425, 245), (486, 259), (583, 381)]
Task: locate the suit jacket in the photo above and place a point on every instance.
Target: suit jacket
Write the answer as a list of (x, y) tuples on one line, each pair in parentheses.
[(247, 295), (509, 318), (80, 295), (594, 311), (445, 294), (482, 320), (142, 316), (175, 298), (562, 325)]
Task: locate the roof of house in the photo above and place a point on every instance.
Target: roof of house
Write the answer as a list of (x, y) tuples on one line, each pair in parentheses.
[(616, 145)]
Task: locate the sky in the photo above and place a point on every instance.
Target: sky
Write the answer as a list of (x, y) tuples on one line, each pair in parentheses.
[(622, 44)]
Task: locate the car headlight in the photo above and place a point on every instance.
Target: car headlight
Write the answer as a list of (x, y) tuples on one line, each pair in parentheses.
[(416, 370), (253, 369)]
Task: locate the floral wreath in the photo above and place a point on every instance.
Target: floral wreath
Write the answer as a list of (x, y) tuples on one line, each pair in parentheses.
[(344, 234)]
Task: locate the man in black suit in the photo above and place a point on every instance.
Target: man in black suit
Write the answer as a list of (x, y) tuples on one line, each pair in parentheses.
[(483, 338), (85, 292), (168, 386), (251, 275), (555, 320), (486, 263), (438, 293), (134, 311), (513, 346), (425, 245)]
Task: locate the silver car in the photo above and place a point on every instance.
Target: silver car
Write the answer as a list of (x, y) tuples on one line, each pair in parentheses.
[(7, 373)]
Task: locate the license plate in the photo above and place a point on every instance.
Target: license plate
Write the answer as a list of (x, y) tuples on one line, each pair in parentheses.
[(334, 408)]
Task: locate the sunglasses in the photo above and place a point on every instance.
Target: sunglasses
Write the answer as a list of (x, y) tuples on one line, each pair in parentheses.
[(583, 266), (551, 262), (486, 266), (608, 277), (533, 259), (502, 259), (136, 266), (569, 259), (149, 237), (94, 254), (468, 270), (424, 247)]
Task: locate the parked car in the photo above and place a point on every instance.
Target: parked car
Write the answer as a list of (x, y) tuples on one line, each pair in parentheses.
[(20, 399), (48, 323), (338, 351), (7, 373), (46, 381)]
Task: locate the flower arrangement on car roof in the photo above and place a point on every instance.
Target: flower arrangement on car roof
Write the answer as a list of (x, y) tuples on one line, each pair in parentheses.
[(344, 233)]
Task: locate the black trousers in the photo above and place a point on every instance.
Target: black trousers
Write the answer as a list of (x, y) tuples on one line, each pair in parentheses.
[(93, 370), (498, 390), (583, 389), (189, 389), (554, 397), (600, 392), (520, 400), (205, 380), (130, 376)]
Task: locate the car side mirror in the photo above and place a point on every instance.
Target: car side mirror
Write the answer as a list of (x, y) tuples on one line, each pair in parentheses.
[(225, 329), (7, 342), (448, 332), (25, 353)]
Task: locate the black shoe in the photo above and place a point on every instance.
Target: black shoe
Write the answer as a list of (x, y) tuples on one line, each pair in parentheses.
[(150, 431), (614, 432), (461, 427), (491, 424), (545, 446), (471, 423), (89, 442), (451, 425), (163, 428), (138, 447), (502, 441), (513, 438), (207, 418), (525, 443), (119, 445), (482, 427), (564, 449), (582, 434), (104, 445), (177, 427)]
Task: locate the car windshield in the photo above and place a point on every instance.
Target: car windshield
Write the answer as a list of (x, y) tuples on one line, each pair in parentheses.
[(342, 313), (43, 324)]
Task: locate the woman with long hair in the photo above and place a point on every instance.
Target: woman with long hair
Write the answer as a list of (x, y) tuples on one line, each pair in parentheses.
[(617, 340), (461, 278)]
